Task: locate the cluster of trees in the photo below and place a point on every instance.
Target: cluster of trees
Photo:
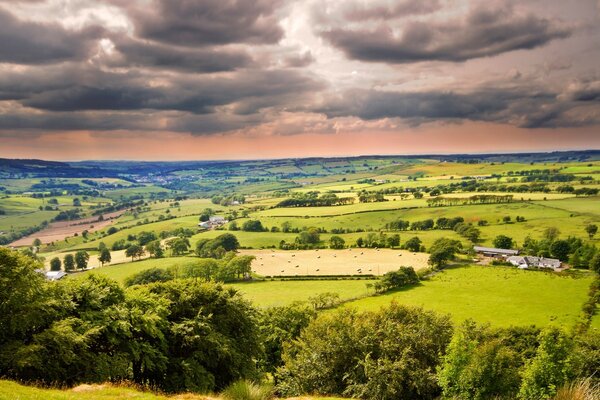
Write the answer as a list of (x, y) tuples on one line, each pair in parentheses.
[(309, 238), (378, 240), (180, 335), (409, 353), (370, 197), (475, 199), (217, 247), (228, 200), (403, 277), (312, 199), (227, 269)]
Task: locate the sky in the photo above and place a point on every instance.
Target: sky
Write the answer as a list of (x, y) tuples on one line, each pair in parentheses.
[(239, 79)]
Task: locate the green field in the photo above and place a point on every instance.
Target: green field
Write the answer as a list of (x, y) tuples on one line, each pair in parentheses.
[(497, 295), (279, 293)]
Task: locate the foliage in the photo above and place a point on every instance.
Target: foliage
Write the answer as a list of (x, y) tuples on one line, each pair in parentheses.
[(281, 325), (105, 256), (479, 366), (155, 249), (217, 247), (55, 264), (135, 250), (397, 279), (253, 225), (81, 259), (178, 245), (385, 355), (336, 242), (554, 365), (442, 251), (175, 336), (503, 242), (149, 276), (69, 262)]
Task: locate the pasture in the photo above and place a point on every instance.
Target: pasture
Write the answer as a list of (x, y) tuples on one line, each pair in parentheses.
[(500, 296), (333, 262)]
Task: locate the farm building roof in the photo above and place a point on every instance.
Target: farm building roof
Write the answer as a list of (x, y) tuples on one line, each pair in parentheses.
[(492, 250)]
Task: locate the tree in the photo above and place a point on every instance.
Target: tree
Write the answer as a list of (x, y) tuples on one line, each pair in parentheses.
[(478, 366), (144, 237), (552, 366), (310, 236), (442, 251), (286, 226), (37, 242), (360, 242), (336, 242), (393, 241), (253, 225), (591, 230), (155, 249), (560, 249), (503, 242), (101, 246), (81, 259), (551, 234), (178, 246), (69, 262), (135, 250), (149, 276), (105, 256), (280, 325), (413, 244), (55, 264), (76, 202)]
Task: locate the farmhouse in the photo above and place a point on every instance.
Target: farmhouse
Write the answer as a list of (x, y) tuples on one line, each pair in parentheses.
[(534, 262), (213, 222), (493, 252)]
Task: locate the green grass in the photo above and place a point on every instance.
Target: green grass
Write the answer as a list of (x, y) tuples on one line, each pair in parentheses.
[(499, 295), (279, 293), (119, 272)]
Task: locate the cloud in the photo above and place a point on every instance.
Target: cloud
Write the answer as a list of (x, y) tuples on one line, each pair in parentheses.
[(483, 32), (299, 60), (245, 91), (208, 22), (24, 42), (388, 10), (135, 53), (525, 107)]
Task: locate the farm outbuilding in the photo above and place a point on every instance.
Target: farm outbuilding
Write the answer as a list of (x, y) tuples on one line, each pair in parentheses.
[(493, 252)]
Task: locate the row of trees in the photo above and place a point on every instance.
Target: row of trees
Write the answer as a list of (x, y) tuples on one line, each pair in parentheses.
[(312, 199), (475, 199)]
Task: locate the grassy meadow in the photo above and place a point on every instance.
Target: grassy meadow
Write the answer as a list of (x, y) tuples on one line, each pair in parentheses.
[(500, 296)]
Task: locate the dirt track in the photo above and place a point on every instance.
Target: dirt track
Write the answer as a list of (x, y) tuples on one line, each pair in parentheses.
[(63, 229)]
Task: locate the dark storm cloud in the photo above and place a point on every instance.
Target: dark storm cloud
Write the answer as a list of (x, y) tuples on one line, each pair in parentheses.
[(15, 123), (135, 53), (24, 42), (482, 33), (248, 91), (525, 107), (207, 22), (356, 12)]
